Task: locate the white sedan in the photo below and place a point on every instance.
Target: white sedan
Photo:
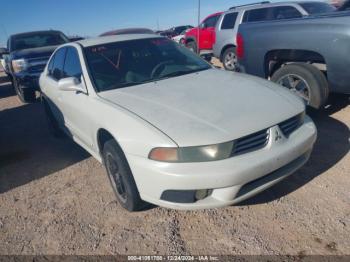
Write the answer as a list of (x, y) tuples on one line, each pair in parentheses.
[(170, 129), (181, 37)]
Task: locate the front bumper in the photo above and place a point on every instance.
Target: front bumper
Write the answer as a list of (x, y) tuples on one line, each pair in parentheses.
[(231, 180), (28, 80)]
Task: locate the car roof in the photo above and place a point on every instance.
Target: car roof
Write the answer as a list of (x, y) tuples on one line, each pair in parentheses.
[(266, 4), (218, 13), (37, 32), (125, 31), (115, 38)]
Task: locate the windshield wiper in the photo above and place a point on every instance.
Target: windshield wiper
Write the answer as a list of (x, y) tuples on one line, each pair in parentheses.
[(181, 72)]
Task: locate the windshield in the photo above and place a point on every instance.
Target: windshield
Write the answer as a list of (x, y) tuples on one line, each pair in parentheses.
[(37, 40), (127, 63), (317, 8)]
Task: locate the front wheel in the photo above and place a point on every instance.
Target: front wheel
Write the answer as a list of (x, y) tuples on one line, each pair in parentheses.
[(121, 178), (192, 46), (26, 95), (304, 80), (229, 59)]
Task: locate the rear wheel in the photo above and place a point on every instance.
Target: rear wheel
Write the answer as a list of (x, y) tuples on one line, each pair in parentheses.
[(306, 81), (120, 176), (229, 59), (192, 46)]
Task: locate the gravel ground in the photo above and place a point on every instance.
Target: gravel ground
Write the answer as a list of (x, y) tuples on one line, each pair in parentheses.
[(56, 199)]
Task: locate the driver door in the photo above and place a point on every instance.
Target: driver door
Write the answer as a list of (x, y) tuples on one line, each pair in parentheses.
[(207, 32), (75, 104)]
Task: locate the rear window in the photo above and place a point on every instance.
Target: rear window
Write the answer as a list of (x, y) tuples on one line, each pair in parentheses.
[(37, 40), (317, 8), (229, 21)]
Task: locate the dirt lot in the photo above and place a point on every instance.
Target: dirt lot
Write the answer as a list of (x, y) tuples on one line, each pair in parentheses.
[(56, 199)]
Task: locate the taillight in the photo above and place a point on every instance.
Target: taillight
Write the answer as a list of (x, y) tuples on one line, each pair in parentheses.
[(240, 46)]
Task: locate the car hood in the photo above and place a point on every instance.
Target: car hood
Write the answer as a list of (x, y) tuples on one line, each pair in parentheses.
[(208, 107), (30, 53)]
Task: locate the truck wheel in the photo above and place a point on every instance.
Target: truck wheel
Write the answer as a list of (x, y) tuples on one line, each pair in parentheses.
[(51, 121), (26, 95), (120, 176), (306, 81), (229, 59), (192, 46)]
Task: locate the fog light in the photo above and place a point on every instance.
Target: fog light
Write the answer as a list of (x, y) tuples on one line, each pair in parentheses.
[(203, 193)]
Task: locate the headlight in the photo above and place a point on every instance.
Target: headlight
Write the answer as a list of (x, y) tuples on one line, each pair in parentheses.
[(192, 154), (19, 65)]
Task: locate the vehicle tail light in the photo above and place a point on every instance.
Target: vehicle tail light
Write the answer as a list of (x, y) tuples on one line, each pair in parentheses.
[(240, 46)]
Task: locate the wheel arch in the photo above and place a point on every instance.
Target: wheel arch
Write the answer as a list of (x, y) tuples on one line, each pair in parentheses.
[(275, 59), (189, 39), (102, 136)]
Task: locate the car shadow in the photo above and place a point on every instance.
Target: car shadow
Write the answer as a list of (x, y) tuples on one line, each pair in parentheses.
[(331, 146), (6, 90), (336, 102), (28, 151)]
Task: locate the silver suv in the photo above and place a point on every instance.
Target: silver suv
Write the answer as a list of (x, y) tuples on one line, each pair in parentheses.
[(227, 26)]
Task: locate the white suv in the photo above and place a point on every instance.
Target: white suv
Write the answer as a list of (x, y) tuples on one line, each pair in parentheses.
[(227, 26)]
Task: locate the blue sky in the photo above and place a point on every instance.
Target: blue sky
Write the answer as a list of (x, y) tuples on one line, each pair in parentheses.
[(93, 17)]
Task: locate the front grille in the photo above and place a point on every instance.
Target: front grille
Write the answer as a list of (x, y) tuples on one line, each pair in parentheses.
[(37, 64), (37, 68), (251, 142), (291, 124)]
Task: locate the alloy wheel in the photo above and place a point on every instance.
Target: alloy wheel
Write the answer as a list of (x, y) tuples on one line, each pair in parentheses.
[(230, 61), (115, 177), (296, 84)]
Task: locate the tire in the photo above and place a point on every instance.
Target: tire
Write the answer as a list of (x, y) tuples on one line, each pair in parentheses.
[(52, 123), (229, 59), (312, 79), (26, 95), (121, 178), (192, 46)]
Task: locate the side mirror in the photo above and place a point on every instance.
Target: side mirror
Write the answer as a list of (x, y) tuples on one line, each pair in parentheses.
[(3, 51), (203, 25), (71, 84)]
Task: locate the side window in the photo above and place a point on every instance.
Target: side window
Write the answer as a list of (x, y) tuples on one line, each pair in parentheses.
[(229, 21), (58, 64), (211, 21), (256, 15), (50, 66), (286, 12), (72, 67), (271, 13)]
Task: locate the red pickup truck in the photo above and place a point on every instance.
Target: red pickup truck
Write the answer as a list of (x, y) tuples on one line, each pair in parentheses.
[(206, 33)]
